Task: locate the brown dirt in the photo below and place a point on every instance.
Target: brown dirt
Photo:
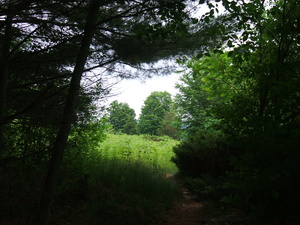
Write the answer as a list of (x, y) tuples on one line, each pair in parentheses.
[(185, 212), (190, 212)]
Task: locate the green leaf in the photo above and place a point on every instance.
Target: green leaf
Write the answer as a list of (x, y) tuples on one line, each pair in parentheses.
[(218, 51), (230, 54), (207, 19)]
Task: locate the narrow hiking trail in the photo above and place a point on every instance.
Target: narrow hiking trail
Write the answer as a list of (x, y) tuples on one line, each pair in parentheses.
[(185, 212), (190, 212)]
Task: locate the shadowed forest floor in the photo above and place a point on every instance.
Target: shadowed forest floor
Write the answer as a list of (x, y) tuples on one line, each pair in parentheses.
[(188, 211), (185, 212)]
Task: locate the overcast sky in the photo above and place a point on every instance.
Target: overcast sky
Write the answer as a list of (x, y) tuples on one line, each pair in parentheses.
[(135, 92)]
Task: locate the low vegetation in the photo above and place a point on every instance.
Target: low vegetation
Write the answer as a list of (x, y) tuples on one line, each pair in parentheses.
[(118, 181), (123, 180), (151, 151)]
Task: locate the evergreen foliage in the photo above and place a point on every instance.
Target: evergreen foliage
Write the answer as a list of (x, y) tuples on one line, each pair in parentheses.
[(203, 153)]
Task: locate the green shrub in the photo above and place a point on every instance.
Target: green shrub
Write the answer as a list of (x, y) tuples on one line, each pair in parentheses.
[(265, 182), (206, 187), (209, 191), (206, 152)]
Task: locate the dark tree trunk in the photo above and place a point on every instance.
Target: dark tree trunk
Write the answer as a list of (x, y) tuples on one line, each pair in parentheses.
[(4, 61), (44, 211)]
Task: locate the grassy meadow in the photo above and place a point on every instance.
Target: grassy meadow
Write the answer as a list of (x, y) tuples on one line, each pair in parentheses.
[(154, 152)]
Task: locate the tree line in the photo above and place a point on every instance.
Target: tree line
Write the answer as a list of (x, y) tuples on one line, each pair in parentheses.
[(157, 116)]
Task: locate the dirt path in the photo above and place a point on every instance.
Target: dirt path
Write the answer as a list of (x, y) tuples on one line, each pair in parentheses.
[(190, 212), (185, 212)]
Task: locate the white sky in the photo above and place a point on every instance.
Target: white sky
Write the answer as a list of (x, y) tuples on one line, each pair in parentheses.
[(135, 92)]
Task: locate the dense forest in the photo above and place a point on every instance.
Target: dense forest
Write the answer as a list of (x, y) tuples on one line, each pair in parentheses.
[(233, 129)]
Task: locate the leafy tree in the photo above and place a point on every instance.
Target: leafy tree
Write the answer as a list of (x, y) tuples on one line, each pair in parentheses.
[(153, 112), (204, 153), (69, 110), (46, 51), (266, 119), (169, 126), (38, 68), (122, 117), (206, 83), (262, 117)]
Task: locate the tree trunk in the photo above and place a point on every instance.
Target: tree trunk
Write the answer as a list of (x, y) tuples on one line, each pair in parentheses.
[(44, 211), (6, 41)]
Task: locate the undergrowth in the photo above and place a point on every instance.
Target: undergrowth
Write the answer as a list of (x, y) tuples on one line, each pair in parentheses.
[(116, 181), (120, 182), (128, 192)]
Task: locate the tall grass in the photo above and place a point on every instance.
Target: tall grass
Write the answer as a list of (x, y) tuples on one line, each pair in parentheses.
[(155, 152), (128, 192), (122, 182)]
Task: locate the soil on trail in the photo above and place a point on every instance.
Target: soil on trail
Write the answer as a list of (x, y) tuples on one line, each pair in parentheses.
[(185, 212), (190, 212)]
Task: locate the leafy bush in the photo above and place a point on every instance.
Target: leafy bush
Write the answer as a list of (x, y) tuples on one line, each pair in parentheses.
[(206, 152), (210, 191), (206, 187), (22, 175), (265, 182)]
